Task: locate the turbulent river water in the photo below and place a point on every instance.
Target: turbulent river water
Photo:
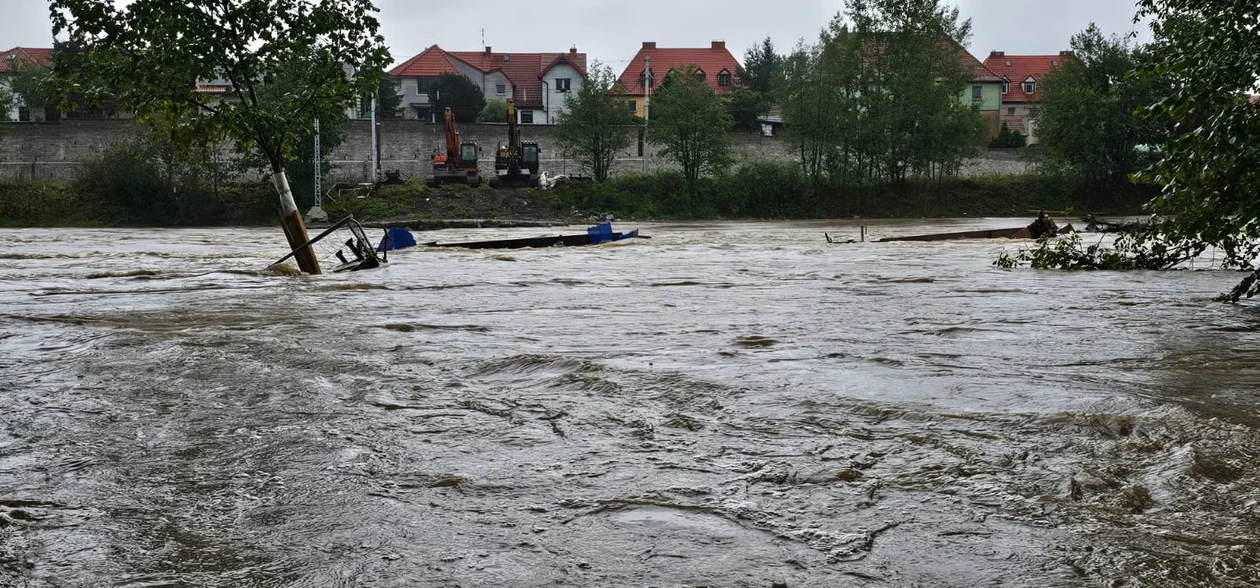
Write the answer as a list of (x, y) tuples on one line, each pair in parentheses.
[(733, 404)]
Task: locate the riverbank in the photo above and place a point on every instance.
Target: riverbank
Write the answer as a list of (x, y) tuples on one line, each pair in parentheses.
[(755, 192)]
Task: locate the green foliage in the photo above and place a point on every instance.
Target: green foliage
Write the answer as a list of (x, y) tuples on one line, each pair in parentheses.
[(596, 126), (143, 180), (1086, 124), (150, 53), (1204, 60), (460, 94), (762, 66), (28, 82), (765, 189), (1008, 139), (1138, 250), (689, 122), (6, 105), (45, 204), (388, 100), (878, 101), (746, 106), (494, 112), (1211, 52)]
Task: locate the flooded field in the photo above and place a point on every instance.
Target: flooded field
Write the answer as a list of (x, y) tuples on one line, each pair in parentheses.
[(721, 405)]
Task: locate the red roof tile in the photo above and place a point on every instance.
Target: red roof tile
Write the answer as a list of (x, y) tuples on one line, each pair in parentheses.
[(712, 60), (979, 73), (1020, 69), (36, 55), (430, 62)]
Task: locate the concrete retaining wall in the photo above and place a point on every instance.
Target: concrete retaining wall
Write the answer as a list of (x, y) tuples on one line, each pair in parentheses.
[(54, 150)]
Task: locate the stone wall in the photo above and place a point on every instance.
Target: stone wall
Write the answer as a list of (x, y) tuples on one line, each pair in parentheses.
[(54, 150)]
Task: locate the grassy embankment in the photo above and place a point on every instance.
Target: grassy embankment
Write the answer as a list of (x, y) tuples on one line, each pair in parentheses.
[(758, 191)]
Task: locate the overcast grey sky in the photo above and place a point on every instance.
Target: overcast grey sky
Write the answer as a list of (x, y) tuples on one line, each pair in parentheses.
[(612, 30)]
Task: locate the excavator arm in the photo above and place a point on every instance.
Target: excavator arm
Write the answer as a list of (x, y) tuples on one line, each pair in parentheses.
[(452, 141)]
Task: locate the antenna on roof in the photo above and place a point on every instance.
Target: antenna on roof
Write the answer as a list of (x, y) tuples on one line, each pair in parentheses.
[(483, 37)]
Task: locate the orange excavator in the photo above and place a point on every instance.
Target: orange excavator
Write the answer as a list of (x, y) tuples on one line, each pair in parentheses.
[(459, 163)]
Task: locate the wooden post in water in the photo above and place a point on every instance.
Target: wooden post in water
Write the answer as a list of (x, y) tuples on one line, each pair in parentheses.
[(294, 228)]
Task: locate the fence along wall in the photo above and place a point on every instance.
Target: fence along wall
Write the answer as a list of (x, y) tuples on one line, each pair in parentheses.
[(54, 150)]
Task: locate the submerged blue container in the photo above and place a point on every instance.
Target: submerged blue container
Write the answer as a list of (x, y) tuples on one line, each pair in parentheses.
[(600, 233), (396, 238)]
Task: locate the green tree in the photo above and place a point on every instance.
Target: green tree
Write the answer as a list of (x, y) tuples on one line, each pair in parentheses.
[(459, 93), (595, 126), (746, 107), (876, 99), (1206, 57), (689, 121), (150, 53), (1208, 172), (494, 112), (6, 104), (388, 101), (1008, 139), (28, 80), (761, 67), (1086, 123)]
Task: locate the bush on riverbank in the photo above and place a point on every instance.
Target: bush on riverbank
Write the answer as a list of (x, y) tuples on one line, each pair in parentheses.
[(764, 189), (131, 193), (69, 204)]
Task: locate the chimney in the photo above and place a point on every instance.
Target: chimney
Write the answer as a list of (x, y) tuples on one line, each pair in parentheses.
[(718, 45), (1065, 54), (997, 54), (649, 44), (487, 50), (572, 51)]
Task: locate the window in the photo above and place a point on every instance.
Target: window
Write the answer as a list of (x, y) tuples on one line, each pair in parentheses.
[(1030, 87), (700, 75), (1054, 63), (1006, 86), (1010, 111), (724, 79), (562, 84), (1008, 63), (527, 117), (634, 106), (500, 88), (977, 93)]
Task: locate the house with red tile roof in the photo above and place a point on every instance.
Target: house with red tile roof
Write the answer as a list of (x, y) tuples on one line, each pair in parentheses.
[(14, 58), (1023, 76), (714, 64), (539, 83)]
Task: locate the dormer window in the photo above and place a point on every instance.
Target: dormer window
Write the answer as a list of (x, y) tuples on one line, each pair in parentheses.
[(700, 75), (724, 79), (1006, 86), (1030, 86)]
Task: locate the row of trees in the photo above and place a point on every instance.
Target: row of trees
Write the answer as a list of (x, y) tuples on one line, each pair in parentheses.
[(878, 97)]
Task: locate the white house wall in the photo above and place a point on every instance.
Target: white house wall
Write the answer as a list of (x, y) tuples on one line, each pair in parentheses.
[(557, 102)]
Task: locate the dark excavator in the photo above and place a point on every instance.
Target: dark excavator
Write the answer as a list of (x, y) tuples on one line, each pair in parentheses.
[(459, 164), (516, 163)]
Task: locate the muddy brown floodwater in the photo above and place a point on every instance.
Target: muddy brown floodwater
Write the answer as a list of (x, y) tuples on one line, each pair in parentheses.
[(722, 405)]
